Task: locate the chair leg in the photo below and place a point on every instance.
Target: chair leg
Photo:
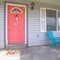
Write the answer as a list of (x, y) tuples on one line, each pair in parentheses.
[(52, 45)]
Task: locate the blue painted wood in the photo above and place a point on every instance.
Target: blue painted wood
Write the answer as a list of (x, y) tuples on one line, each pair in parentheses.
[(55, 40)]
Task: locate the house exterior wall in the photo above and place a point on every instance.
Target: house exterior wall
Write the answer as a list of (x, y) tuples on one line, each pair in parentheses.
[(35, 37), (1, 24)]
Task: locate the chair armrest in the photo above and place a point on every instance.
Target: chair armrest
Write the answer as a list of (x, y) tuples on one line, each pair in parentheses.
[(57, 38)]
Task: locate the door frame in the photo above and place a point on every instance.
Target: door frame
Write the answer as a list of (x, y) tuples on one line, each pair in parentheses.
[(6, 24)]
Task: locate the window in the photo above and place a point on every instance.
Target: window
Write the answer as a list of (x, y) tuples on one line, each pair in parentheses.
[(49, 19), (58, 20)]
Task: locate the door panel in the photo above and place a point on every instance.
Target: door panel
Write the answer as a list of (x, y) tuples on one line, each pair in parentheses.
[(16, 24)]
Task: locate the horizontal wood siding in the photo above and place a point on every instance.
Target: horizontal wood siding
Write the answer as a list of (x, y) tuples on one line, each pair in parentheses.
[(33, 26), (1, 25), (35, 37)]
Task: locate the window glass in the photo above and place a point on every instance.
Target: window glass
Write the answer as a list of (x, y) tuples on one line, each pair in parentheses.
[(51, 19), (58, 20)]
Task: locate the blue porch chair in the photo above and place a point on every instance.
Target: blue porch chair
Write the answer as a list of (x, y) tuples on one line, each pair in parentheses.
[(54, 40)]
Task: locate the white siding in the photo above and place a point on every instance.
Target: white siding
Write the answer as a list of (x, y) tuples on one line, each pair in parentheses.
[(1, 26), (35, 37)]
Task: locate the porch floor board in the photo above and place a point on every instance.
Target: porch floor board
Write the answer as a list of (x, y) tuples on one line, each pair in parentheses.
[(39, 53)]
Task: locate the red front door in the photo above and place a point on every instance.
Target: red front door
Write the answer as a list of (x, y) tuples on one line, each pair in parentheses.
[(16, 24)]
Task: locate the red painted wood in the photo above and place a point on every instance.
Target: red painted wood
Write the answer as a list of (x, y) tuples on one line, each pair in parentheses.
[(16, 33)]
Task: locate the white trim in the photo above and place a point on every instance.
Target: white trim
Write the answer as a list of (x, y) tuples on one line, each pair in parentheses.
[(42, 20), (45, 18), (50, 8), (6, 25), (57, 20), (7, 21), (45, 22), (15, 4), (25, 24)]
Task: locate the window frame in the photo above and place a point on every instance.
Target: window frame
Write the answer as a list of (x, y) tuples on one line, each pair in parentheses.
[(57, 11)]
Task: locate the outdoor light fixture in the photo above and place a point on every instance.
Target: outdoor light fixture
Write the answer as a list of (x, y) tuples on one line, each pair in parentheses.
[(32, 5)]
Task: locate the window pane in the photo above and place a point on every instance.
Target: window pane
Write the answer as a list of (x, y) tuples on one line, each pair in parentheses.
[(51, 19), (58, 20)]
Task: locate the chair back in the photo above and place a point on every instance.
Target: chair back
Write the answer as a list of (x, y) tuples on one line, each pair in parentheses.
[(51, 36)]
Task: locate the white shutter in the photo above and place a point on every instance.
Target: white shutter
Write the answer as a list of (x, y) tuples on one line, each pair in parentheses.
[(43, 19)]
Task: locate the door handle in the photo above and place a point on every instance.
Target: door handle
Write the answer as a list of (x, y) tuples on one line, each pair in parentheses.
[(16, 20)]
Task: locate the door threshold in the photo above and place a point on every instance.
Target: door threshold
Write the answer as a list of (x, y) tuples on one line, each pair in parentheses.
[(15, 46)]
